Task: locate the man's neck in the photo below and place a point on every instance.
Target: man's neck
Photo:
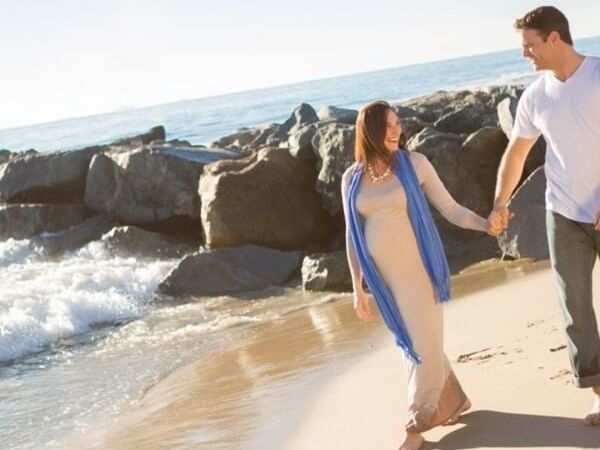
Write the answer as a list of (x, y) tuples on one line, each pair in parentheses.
[(568, 64)]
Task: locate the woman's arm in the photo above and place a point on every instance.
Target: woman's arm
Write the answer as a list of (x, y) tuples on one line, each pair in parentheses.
[(441, 199), (355, 271), (361, 301)]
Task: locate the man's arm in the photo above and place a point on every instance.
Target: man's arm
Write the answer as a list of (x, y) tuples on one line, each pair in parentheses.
[(509, 174)]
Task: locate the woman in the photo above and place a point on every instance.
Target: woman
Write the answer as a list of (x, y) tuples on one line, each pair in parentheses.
[(392, 242)]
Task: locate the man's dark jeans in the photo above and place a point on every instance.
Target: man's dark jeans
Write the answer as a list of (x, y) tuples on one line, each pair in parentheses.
[(574, 247)]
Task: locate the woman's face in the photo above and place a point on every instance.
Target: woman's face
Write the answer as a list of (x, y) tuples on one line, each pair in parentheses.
[(393, 130)]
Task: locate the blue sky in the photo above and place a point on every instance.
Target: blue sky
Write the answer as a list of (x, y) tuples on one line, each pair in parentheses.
[(67, 58)]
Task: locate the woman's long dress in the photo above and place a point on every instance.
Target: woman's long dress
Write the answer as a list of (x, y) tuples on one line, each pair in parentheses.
[(434, 392)]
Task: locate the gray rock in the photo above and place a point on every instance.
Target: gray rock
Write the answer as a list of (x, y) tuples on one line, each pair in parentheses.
[(267, 198), (148, 184), (480, 156), (76, 236), (300, 142), (46, 178), (463, 120), (21, 221), (334, 145), (342, 115), (326, 272), (506, 111), (302, 115), (526, 233), (230, 270), (128, 240), (5, 155), (157, 133), (411, 126)]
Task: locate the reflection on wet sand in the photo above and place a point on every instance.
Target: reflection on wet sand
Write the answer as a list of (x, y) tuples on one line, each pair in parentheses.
[(219, 400)]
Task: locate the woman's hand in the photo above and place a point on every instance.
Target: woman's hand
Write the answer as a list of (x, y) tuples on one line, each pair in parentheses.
[(362, 306)]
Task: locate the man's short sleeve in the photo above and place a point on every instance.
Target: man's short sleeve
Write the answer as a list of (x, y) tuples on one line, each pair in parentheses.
[(523, 126)]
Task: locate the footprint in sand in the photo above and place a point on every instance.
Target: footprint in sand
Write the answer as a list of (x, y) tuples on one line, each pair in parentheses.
[(561, 374)]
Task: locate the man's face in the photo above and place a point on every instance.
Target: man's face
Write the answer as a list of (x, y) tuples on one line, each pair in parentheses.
[(539, 52)]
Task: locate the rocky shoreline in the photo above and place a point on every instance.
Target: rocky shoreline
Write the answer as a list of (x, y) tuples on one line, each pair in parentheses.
[(262, 205)]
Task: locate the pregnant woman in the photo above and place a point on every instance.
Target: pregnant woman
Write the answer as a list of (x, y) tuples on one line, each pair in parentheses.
[(392, 243)]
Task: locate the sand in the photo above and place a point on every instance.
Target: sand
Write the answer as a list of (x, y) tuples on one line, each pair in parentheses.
[(320, 379), (508, 351)]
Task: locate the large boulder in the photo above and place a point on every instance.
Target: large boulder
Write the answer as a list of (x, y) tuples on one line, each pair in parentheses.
[(267, 198), (334, 146), (526, 233), (148, 184), (46, 177), (326, 272), (480, 155), (230, 270), (21, 221)]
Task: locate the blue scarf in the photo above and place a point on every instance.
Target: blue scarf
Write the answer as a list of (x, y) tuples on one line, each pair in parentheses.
[(428, 241)]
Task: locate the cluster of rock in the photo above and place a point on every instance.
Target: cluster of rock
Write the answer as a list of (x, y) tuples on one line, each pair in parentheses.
[(256, 207)]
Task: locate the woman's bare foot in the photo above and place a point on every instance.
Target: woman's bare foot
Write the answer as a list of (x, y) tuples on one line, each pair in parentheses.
[(593, 418), (454, 419), (412, 441)]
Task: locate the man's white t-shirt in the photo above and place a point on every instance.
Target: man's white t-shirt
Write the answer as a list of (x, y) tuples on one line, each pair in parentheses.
[(567, 114)]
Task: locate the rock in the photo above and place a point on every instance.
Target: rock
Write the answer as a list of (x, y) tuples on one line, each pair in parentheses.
[(21, 221), (267, 198), (526, 233), (76, 236), (506, 111), (230, 270), (148, 184), (326, 272), (302, 115), (300, 142), (157, 133), (334, 145), (4, 155), (347, 116), (464, 120), (480, 156), (411, 126), (133, 241), (46, 178)]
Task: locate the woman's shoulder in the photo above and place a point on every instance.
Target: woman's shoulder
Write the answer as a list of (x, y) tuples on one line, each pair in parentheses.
[(349, 171), (418, 159)]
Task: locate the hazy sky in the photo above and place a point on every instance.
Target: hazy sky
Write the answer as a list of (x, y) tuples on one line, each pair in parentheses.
[(65, 58)]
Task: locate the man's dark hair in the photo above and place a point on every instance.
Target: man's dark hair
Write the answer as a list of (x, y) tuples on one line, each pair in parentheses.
[(545, 19)]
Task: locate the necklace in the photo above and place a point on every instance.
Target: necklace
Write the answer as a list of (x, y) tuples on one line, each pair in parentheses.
[(377, 178)]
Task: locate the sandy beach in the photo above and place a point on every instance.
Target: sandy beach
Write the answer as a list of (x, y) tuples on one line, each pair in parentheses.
[(509, 353), (320, 379)]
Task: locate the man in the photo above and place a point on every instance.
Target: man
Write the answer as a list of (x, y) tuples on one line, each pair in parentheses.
[(563, 105)]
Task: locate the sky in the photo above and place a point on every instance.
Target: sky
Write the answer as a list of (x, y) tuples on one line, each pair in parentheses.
[(67, 58)]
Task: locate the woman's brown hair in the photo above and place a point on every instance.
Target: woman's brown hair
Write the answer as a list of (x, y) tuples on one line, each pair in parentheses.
[(370, 133)]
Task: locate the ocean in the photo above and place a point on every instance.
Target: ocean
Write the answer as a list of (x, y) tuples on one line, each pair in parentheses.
[(68, 325)]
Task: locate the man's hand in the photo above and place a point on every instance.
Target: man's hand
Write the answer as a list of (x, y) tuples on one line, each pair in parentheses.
[(597, 226), (498, 220)]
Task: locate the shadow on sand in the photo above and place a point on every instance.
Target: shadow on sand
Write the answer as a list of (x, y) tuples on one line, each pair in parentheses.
[(494, 429)]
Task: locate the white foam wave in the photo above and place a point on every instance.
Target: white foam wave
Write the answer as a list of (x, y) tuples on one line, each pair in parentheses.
[(42, 302)]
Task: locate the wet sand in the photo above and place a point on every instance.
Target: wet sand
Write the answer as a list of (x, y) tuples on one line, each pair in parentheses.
[(319, 378)]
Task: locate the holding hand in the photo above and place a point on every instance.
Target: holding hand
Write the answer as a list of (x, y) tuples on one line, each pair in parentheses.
[(498, 220), (361, 306)]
